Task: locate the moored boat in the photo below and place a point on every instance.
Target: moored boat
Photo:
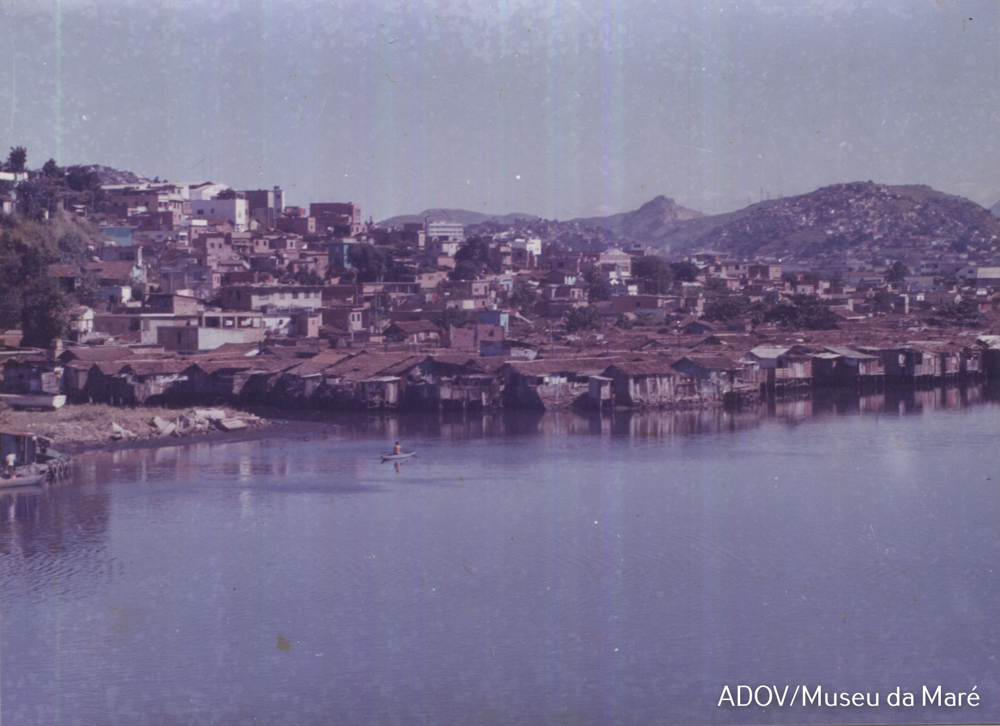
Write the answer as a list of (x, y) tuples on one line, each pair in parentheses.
[(33, 400), (24, 479), (26, 459)]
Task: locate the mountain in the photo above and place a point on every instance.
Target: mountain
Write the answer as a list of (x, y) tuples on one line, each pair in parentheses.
[(462, 216), (830, 219), (995, 210), (839, 217), (657, 218)]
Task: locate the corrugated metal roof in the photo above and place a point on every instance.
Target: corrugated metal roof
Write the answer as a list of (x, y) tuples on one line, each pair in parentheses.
[(644, 368), (769, 352), (848, 353)]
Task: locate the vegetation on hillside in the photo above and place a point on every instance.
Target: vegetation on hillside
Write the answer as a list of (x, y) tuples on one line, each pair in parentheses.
[(37, 235), (800, 312)]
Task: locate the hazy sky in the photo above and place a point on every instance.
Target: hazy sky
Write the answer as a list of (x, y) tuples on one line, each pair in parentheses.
[(551, 107)]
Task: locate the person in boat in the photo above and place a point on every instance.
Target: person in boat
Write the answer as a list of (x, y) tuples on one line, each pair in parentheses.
[(397, 449), (10, 461)]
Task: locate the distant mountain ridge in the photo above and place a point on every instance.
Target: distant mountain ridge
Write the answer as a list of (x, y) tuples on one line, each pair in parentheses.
[(656, 218), (461, 216), (842, 214), (831, 219)]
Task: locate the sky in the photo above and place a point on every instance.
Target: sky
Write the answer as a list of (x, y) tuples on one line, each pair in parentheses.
[(560, 108)]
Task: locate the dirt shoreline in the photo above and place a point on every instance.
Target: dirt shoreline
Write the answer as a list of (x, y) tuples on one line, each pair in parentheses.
[(97, 427)]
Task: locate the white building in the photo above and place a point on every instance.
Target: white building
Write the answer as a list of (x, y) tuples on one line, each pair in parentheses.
[(233, 210), (980, 275), (532, 245), (204, 191), (451, 231)]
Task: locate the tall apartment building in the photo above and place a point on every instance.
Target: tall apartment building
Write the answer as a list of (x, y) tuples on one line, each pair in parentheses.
[(265, 205)]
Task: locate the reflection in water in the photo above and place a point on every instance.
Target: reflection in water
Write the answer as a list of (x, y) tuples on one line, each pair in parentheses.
[(86, 503), (458, 426)]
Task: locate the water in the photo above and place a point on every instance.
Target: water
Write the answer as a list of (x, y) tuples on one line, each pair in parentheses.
[(521, 570)]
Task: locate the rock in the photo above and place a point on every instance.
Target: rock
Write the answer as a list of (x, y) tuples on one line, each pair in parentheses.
[(168, 429), (212, 414), (161, 425), (231, 424), (118, 432)]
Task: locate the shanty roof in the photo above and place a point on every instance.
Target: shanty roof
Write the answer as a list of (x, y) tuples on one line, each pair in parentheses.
[(643, 368), (240, 363), (458, 359), (317, 365), (64, 271), (97, 353), (415, 326), (110, 270), (769, 351), (235, 349), (367, 365), (547, 366), (848, 353), (713, 362), (158, 367)]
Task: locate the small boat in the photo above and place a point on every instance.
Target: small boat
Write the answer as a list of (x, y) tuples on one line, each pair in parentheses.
[(34, 461), (25, 479), (33, 400), (398, 457)]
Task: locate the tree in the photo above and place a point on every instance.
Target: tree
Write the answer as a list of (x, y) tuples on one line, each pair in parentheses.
[(475, 249), (802, 313), (962, 312), (685, 271), (465, 270), (454, 316), (52, 170), (382, 300), (17, 160), (302, 277), (43, 317), (598, 285), (897, 272), (87, 290), (35, 199), (73, 248), (81, 179), (725, 309), (227, 193), (85, 181), (369, 262), (586, 318), (655, 272), (523, 295)]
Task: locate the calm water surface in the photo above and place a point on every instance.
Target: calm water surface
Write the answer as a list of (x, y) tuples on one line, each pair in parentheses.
[(521, 570)]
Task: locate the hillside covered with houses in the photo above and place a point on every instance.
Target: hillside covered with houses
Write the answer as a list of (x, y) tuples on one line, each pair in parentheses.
[(123, 290)]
